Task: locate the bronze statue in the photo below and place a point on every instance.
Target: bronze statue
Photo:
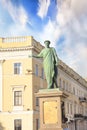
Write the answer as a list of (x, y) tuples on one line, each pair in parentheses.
[(50, 63)]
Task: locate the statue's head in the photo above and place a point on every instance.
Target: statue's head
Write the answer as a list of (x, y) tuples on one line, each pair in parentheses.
[(47, 42)]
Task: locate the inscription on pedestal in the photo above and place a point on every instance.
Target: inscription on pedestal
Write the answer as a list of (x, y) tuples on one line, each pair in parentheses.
[(50, 114)]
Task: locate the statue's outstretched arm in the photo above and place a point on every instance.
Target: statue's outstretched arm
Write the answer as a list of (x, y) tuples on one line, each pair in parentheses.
[(40, 55)]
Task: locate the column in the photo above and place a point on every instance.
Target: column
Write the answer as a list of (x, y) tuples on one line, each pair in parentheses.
[(1, 62)]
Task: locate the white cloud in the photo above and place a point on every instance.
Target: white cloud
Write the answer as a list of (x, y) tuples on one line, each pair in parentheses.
[(79, 7), (75, 55), (14, 20), (43, 8), (18, 14), (72, 19), (50, 32)]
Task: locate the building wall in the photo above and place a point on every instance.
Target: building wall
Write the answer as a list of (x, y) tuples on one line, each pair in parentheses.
[(72, 104), (28, 82), (7, 119), (23, 81), (1, 85)]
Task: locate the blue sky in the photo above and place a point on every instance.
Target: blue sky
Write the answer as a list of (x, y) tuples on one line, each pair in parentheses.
[(63, 22)]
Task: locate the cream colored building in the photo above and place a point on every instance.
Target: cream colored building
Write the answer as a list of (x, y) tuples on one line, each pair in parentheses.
[(76, 103), (21, 77)]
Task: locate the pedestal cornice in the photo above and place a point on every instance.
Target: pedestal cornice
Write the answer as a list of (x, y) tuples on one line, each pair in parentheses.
[(51, 93)]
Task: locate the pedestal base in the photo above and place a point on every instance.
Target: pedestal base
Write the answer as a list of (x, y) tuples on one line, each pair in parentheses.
[(50, 109)]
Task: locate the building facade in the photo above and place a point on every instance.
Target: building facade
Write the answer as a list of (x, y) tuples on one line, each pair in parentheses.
[(21, 77)]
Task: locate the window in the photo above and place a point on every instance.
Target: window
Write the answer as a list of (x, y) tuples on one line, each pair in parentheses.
[(60, 83), (36, 70), (74, 108), (70, 88), (37, 124), (17, 98), (74, 90), (42, 73), (17, 68), (17, 124), (67, 107), (63, 84), (67, 86), (37, 101), (71, 110)]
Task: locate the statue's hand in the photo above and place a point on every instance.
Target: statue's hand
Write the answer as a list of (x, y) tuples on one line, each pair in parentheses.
[(32, 56)]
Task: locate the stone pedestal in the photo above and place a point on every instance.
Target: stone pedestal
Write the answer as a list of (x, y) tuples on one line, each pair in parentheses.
[(50, 108)]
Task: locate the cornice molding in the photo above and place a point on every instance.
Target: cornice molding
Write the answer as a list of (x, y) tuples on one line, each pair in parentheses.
[(16, 49), (72, 73)]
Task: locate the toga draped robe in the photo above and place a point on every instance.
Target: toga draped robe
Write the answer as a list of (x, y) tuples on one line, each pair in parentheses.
[(50, 60)]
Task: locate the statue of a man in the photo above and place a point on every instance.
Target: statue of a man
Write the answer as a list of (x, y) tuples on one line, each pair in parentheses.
[(50, 63)]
